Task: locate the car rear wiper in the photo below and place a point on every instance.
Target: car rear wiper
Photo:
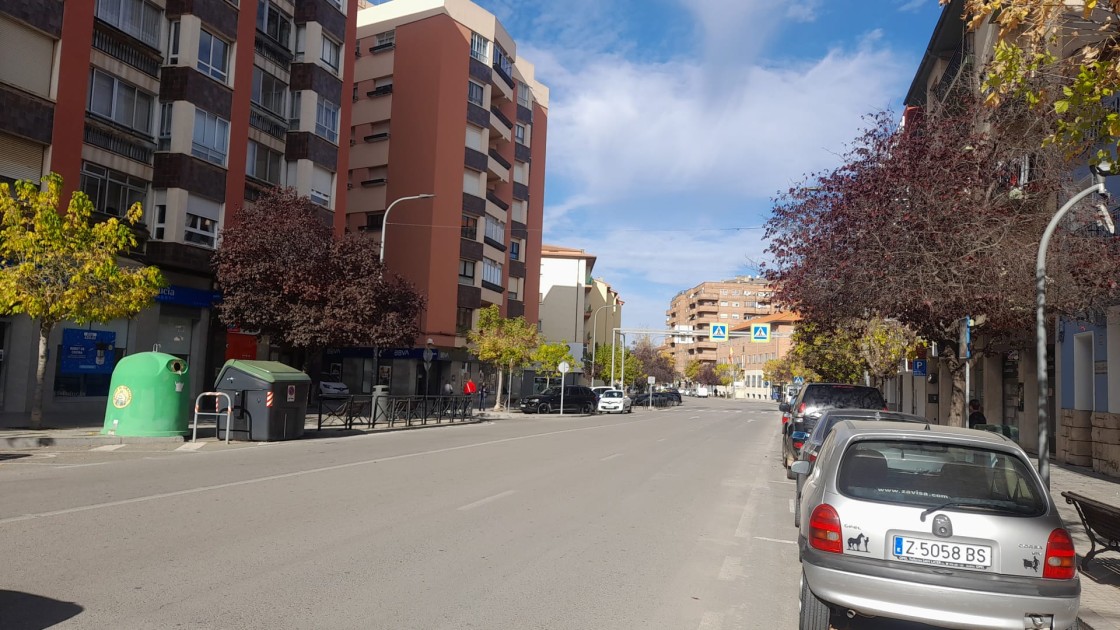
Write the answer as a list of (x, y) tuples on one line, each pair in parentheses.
[(1013, 508)]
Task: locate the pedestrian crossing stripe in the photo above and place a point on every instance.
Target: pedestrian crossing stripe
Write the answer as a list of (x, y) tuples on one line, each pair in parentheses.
[(760, 333)]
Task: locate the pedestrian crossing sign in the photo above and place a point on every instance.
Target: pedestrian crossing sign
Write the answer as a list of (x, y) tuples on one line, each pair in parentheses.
[(760, 333), (717, 332)]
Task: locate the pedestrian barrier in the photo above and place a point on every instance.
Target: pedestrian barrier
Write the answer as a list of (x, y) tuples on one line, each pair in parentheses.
[(218, 413), (1101, 521), (347, 410)]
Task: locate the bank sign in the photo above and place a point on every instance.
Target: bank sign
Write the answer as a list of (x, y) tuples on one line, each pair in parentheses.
[(87, 351)]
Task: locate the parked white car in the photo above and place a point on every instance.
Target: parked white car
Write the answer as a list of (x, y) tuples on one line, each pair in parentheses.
[(701, 392), (614, 401)]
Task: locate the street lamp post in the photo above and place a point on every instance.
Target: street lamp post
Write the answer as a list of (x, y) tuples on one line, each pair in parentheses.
[(385, 218), (595, 336), (1040, 321)]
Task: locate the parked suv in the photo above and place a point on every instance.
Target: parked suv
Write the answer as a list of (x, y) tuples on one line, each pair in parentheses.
[(811, 402), (577, 399), (940, 525)]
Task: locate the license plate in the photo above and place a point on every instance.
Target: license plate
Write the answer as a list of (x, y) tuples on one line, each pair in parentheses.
[(942, 553)]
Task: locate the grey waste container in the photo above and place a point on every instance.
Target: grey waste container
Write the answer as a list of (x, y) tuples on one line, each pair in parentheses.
[(269, 400)]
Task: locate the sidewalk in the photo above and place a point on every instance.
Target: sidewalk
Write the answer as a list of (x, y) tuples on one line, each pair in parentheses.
[(1100, 583)]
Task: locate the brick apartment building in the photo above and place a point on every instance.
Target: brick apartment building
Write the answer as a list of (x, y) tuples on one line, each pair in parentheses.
[(694, 310), (189, 107), (444, 105)]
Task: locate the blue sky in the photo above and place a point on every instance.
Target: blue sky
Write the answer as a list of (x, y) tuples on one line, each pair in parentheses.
[(672, 123)]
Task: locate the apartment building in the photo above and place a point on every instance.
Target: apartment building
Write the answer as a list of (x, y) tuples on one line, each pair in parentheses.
[(444, 106), (604, 309), (693, 311), (748, 357), (566, 298), (190, 108)]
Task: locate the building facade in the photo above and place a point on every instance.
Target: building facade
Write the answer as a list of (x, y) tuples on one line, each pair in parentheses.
[(191, 109), (566, 299), (748, 357), (606, 316), (693, 311), (444, 106)]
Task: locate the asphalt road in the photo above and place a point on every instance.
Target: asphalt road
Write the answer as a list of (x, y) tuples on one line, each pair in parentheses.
[(661, 519)]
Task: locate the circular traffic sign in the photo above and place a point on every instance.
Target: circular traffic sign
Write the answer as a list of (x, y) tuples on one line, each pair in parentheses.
[(563, 367)]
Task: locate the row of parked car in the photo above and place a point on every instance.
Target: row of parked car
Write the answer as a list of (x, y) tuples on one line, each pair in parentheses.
[(902, 519), (601, 399)]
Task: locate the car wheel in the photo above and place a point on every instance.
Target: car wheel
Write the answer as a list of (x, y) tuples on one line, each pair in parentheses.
[(815, 614), (630, 409), (588, 408), (544, 408)]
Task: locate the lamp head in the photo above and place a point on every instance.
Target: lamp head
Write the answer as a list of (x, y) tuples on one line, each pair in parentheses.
[(1104, 218)]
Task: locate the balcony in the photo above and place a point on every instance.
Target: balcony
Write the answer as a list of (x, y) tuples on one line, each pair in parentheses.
[(273, 125), (377, 181), (272, 50), (521, 153), (380, 48), (497, 167), (502, 80), (376, 137), (958, 73), (132, 148), (383, 90), (117, 48), (497, 201)]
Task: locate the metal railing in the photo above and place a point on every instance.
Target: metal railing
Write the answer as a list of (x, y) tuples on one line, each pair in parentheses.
[(227, 412), (363, 409)]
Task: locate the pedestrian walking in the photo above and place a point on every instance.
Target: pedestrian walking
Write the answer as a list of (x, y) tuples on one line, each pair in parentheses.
[(481, 396), (975, 416), (469, 388), (447, 389)]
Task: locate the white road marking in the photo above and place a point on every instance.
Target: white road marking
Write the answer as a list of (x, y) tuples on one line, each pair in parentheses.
[(731, 569), (711, 621), (297, 473), (661, 440), (191, 446), (693, 417), (108, 447), (742, 530), (24, 463), (792, 506), (783, 481), (471, 506), (611, 457), (776, 540)]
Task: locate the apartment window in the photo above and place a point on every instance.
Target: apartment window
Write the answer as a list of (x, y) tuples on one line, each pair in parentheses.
[(518, 211), (524, 96), (735, 292), (211, 137), (386, 39), (723, 303), (111, 192), (164, 142), (263, 163), (326, 119), (495, 230), (723, 315), (135, 17), (480, 48), (475, 93), (322, 182), (201, 231), (464, 319), (336, 3), (319, 197), (513, 293), (269, 92), (301, 42), (274, 23), (160, 229), (469, 228), (734, 316), (118, 101), (491, 271), (515, 250), (293, 120), (466, 272), (502, 60), (519, 133), (331, 52), (173, 43), (736, 304), (213, 56)]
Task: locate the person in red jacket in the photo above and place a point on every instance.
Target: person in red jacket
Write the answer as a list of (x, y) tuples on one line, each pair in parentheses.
[(469, 387)]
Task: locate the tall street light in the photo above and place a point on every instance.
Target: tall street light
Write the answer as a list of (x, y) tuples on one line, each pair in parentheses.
[(595, 335), (385, 218), (1040, 320)]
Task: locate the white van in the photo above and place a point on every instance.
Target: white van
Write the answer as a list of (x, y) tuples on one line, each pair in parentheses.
[(702, 392)]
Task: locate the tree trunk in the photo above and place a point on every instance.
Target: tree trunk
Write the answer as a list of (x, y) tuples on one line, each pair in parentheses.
[(40, 376), (498, 395), (956, 400)]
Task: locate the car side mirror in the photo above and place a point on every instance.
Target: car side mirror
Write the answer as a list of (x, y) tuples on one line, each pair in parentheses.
[(783, 407), (801, 467)]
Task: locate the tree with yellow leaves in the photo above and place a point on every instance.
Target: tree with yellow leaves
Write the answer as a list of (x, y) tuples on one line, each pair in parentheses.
[(1064, 55), (57, 267), (506, 343)]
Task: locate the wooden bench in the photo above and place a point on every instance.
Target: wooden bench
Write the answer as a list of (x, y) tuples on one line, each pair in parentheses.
[(1101, 521)]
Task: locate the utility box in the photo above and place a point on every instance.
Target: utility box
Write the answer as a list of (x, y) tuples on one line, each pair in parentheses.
[(379, 403), (269, 400), (149, 397)]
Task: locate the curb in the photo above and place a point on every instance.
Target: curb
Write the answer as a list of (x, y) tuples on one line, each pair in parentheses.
[(23, 442)]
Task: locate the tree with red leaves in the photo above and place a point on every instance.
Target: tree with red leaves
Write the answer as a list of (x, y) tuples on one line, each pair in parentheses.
[(282, 270), (937, 221)]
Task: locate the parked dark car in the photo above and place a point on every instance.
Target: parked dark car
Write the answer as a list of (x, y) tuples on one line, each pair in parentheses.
[(577, 399), (673, 395), (660, 399), (824, 424), (811, 402)]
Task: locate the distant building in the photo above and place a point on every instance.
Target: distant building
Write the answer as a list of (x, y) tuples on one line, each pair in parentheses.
[(693, 311), (565, 298), (749, 357)]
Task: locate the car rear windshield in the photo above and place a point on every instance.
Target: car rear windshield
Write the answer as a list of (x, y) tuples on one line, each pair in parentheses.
[(932, 474), (843, 396)]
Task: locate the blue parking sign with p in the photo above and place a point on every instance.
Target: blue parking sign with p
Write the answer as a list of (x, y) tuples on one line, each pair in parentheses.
[(920, 367)]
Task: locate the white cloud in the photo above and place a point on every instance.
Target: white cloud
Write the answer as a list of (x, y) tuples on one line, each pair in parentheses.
[(912, 6)]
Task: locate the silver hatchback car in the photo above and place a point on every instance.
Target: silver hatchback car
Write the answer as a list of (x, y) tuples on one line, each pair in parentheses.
[(939, 525)]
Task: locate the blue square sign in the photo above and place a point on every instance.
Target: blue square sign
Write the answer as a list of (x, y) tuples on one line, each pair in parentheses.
[(920, 367)]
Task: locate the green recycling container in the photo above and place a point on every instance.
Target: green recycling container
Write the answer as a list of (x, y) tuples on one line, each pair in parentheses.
[(149, 396)]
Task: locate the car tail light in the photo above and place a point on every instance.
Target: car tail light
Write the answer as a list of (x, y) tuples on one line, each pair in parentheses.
[(801, 409), (824, 529), (812, 457), (797, 445), (1061, 559)]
